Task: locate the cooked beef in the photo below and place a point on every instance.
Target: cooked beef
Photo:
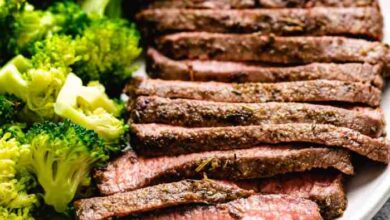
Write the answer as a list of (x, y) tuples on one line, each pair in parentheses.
[(364, 22), (271, 49), (300, 91), (193, 113), (159, 66), (326, 189), (228, 4), (157, 140), (157, 197), (129, 172), (265, 207)]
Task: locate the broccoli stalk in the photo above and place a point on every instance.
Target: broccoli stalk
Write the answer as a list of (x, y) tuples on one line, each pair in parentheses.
[(91, 108), (101, 8), (61, 156), (15, 181)]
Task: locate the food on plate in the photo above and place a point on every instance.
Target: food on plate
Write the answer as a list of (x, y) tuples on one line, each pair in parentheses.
[(255, 207), (227, 4), (131, 171), (271, 49), (199, 113), (300, 91), (158, 197), (363, 22), (162, 67)]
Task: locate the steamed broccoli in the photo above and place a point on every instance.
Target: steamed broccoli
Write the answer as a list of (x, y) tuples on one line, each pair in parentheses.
[(61, 156), (91, 108), (9, 107), (25, 26), (15, 182), (101, 8), (108, 47)]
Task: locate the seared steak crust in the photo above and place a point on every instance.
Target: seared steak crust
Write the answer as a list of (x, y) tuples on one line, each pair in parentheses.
[(301, 91), (228, 4), (159, 66), (271, 49), (158, 197), (194, 113), (157, 140), (360, 22), (265, 207), (129, 172)]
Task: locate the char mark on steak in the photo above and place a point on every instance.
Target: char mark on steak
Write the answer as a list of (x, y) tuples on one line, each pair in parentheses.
[(194, 113), (160, 66), (241, 4), (326, 189), (271, 49), (129, 171), (265, 207), (364, 22), (158, 197), (158, 140), (300, 91)]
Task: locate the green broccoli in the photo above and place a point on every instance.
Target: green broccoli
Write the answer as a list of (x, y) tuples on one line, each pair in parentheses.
[(107, 48), (26, 26), (61, 155), (15, 182), (9, 108), (91, 108), (101, 8)]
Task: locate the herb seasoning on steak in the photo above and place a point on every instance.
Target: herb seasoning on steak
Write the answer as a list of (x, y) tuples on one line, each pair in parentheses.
[(194, 113), (264, 207), (301, 91), (160, 66), (354, 22), (271, 49), (129, 171), (157, 140)]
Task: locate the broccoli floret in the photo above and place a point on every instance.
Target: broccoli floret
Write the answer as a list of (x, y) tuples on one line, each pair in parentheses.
[(61, 156), (108, 47), (37, 81), (27, 26), (9, 108), (91, 108), (15, 182)]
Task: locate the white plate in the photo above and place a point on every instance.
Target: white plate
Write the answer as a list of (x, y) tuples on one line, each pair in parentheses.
[(369, 189)]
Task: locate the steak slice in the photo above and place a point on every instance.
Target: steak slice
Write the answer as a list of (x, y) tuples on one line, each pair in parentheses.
[(228, 4), (364, 22), (159, 66), (129, 172), (158, 197), (264, 207), (326, 189), (271, 49), (194, 113), (157, 140), (300, 91)]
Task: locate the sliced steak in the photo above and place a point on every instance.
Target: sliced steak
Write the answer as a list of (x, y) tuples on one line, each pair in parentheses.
[(158, 197), (159, 66), (300, 91), (364, 22), (264, 207), (326, 189), (228, 4), (130, 172), (157, 140), (194, 113), (271, 49)]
